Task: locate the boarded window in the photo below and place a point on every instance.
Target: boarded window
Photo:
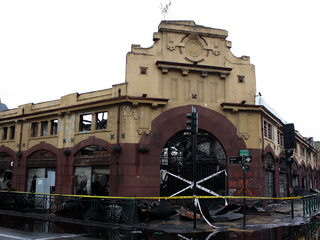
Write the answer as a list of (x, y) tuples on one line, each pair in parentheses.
[(54, 127), (85, 122), (34, 129), (101, 120), (44, 128)]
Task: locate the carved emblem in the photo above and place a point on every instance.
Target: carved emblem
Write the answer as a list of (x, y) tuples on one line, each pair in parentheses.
[(194, 50)]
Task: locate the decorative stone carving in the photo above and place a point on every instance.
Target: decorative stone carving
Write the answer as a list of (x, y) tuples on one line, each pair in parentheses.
[(194, 51)]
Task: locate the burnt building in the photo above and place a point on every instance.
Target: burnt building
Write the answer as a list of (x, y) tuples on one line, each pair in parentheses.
[(131, 139)]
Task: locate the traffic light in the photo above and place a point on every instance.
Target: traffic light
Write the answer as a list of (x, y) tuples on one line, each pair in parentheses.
[(288, 155), (289, 136), (192, 122)]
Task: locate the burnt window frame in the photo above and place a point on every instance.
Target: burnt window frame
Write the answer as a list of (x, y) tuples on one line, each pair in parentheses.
[(44, 126), (4, 133), (54, 127), (12, 130), (81, 122), (97, 124), (34, 129)]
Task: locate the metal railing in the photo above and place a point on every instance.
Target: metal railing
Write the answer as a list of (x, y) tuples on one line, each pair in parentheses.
[(113, 209), (311, 204), (83, 207)]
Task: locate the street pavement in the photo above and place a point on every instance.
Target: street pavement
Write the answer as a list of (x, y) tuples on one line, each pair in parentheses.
[(275, 216)]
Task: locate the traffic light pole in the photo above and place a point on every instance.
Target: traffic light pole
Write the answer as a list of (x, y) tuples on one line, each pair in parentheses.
[(194, 154), (289, 138), (244, 194), (193, 129), (291, 192)]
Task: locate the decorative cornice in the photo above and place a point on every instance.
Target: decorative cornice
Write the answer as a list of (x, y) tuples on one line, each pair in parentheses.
[(185, 68)]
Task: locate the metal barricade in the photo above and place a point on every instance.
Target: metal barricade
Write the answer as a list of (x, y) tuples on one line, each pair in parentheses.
[(311, 204)]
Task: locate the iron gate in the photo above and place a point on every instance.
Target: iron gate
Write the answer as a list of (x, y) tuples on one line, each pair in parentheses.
[(176, 158)]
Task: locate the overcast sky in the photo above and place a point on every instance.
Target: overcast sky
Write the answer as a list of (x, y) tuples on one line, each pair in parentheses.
[(49, 49)]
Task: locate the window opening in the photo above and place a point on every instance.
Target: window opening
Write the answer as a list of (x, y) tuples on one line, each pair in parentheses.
[(101, 120), (269, 176), (4, 133), (267, 130), (240, 79), (34, 129), (295, 176), (85, 122), (143, 70), (302, 151), (303, 178), (54, 127), (310, 178), (12, 131), (44, 128), (280, 138)]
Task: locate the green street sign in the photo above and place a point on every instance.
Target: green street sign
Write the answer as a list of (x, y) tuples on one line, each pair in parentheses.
[(244, 152)]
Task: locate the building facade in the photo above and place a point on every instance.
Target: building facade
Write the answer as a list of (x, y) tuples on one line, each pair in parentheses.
[(131, 139)]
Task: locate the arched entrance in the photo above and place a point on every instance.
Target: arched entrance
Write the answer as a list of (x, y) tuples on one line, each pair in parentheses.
[(41, 164), (269, 176), (303, 177), (283, 175), (92, 171), (6, 162), (177, 163), (310, 177), (295, 175)]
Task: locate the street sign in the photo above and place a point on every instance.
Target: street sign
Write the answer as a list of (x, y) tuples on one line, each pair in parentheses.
[(235, 160), (244, 152), (245, 168), (247, 159)]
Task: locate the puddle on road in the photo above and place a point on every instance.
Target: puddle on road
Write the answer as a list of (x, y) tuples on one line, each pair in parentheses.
[(307, 231)]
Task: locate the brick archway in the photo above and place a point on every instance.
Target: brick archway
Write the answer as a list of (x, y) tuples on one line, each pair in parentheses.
[(174, 120)]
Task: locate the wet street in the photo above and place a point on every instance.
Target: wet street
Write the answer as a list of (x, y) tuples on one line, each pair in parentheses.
[(7, 234), (13, 227)]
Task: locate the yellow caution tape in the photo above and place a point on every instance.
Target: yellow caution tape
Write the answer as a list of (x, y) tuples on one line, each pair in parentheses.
[(158, 198)]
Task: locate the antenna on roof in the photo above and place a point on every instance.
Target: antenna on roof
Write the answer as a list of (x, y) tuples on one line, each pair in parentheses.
[(165, 9)]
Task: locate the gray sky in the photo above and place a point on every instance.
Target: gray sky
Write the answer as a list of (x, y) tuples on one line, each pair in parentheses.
[(49, 49)]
